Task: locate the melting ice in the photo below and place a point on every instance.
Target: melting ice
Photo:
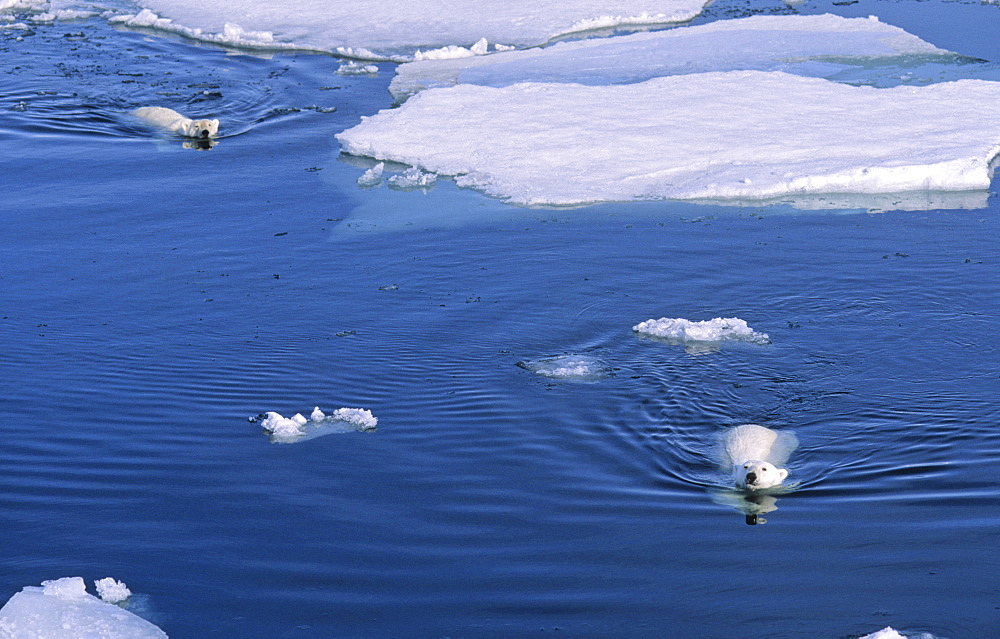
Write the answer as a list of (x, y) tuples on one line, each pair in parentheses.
[(568, 367), (297, 428)]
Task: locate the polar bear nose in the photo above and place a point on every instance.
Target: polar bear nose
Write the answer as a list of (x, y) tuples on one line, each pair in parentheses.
[(751, 477), (204, 133)]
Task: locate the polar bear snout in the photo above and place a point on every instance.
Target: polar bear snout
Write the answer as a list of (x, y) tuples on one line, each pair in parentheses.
[(754, 475)]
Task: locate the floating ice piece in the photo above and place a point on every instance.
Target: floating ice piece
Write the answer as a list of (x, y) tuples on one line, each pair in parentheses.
[(290, 430), (739, 135), (412, 178), (386, 28), (884, 633), (568, 367), (357, 68), (821, 45), (372, 177), (112, 591), (713, 330), (62, 609)]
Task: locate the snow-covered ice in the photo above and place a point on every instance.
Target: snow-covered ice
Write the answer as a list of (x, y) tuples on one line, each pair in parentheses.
[(714, 330), (62, 609), (739, 135), (820, 45), (297, 428), (568, 367), (379, 30)]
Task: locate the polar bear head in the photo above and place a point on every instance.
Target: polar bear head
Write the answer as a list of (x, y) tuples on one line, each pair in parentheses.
[(201, 129), (754, 475)]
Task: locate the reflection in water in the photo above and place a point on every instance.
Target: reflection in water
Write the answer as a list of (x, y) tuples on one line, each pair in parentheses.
[(751, 504)]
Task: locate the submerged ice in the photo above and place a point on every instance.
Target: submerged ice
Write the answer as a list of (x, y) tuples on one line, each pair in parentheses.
[(739, 135), (290, 430), (63, 609), (568, 367)]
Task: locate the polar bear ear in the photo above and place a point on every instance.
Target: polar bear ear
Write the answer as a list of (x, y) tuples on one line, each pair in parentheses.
[(782, 473)]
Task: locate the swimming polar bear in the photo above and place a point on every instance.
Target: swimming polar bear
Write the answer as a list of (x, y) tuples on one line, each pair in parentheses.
[(172, 121), (755, 454)]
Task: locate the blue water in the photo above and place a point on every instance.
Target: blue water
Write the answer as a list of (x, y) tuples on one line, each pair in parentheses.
[(154, 297)]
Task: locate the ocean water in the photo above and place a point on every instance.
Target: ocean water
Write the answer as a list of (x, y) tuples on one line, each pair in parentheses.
[(153, 297)]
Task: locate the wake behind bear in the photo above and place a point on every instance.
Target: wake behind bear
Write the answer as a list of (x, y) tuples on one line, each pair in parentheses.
[(756, 455)]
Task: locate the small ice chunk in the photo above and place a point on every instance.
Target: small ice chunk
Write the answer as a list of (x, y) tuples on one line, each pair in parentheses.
[(62, 609), (299, 419), (713, 330), (317, 414), (357, 416), (372, 177), (568, 367), (412, 178), (281, 427), (884, 633), (357, 68), (112, 591)]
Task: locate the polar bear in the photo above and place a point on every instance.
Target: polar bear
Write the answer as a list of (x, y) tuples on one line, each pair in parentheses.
[(755, 454), (172, 121)]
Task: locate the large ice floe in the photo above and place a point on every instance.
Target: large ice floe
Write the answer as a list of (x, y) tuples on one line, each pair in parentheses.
[(738, 135), (379, 30), (63, 609), (297, 428), (821, 45)]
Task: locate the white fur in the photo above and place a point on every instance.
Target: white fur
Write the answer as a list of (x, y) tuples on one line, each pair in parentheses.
[(172, 121), (755, 455)]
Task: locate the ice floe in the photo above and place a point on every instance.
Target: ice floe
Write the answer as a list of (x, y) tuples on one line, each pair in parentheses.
[(820, 45), (705, 332), (568, 367), (382, 30), (297, 428), (63, 609), (738, 135)]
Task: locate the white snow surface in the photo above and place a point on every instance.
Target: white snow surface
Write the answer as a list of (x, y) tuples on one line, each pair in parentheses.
[(737, 135), (62, 609), (382, 29), (713, 330), (290, 430), (818, 45)]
